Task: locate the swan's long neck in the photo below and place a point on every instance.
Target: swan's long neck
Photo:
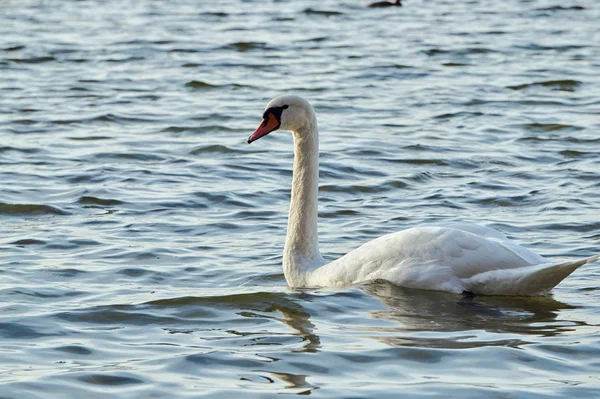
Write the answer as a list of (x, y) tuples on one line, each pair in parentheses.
[(301, 253)]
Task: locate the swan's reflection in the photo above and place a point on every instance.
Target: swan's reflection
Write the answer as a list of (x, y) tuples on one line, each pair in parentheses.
[(405, 318), (436, 319), (298, 320), (413, 317)]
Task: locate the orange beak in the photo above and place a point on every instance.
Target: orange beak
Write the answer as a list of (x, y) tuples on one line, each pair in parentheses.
[(269, 124)]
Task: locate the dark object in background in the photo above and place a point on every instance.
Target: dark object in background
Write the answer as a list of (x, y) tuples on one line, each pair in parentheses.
[(397, 3)]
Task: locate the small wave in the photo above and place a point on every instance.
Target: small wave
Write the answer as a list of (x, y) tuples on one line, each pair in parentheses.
[(68, 273), (514, 201), (577, 154), (538, 47), (458, 114), (20, 331), (200, 85), (560, 138), (25, 122), (235, 299), (422, 177), (390, 66), (246, 46), (191, 65), (23, 150), (129, 155), (219, 149), (414, 161), (74, 349), (88, 200), (90, 138), (143, 42), (317, 39), (133, 272), (200, 129), (338, 213), (561, 8), (557, 85), (214, 14), (13, 48), (30, 209), (325, 13), (126, 59), (222, 199), (455, 64), (458, 52), (113, 118), (220, 360), (582, 227), (550, 127), (352, 189), (32, 60), (110, 380)]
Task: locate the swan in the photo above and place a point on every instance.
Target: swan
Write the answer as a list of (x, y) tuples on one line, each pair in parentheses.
[(452, 257)]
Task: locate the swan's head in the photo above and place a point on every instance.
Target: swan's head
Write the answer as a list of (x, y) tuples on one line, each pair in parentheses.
[(287, 112)]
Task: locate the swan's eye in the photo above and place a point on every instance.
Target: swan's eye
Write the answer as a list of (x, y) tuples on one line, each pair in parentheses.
[(285, 106)]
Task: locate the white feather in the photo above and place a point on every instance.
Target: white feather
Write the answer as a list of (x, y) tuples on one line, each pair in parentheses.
[(453, 257)]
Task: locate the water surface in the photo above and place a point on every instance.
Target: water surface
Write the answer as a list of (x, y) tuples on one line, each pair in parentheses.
[(141, 237)]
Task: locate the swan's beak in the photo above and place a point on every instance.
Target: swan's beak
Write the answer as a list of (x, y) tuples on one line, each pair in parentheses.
[(268, 125)]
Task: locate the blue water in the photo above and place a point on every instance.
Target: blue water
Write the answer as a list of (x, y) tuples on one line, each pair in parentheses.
[(141, 237)]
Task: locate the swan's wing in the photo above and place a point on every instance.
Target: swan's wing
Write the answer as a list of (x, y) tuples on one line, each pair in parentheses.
[(482, 231), (439, 258)]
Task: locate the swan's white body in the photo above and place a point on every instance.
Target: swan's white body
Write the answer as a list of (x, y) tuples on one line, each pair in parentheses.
[(453, 257)]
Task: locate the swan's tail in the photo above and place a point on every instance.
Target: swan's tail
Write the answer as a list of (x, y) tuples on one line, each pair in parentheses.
[(529, 280)]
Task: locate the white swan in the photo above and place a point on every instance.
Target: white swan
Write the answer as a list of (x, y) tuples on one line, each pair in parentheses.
[(455, 257)]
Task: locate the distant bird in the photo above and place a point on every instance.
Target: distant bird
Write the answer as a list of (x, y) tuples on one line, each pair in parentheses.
[(380, 4)]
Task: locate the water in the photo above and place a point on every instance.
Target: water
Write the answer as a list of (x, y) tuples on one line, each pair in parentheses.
[(141, 237)]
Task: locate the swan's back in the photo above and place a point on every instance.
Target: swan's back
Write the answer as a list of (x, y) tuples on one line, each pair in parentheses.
[(455, 258)]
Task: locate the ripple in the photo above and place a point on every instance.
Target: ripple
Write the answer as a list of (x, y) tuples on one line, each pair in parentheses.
[(218, 14), (219, 359), (559, 85), (30, 209), (458, 114), (550, 127), (561, 8), (109, 379), (325, 13), (28, 241), (512, 201), (217, 149), (89, 200), (32, 60), (20, 331), (242, 47), (200, 85), (352, 189), (100, 118), (145, 157), (23, 150), (417, 161), (13, 48), (74, 349), (577, 154)]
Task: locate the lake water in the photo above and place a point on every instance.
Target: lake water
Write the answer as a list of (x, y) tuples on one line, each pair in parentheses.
[(141, 237)]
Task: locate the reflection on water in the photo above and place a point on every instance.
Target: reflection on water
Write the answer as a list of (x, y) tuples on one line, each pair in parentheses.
[(418, 311), (299, 321)]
